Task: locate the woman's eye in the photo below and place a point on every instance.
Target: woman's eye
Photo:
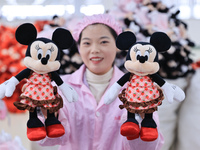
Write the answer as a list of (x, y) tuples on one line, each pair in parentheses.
[(104, 42), (86, 43), (39, 54)]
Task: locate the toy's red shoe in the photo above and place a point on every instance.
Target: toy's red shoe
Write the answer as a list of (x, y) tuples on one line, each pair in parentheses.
[(55, 130), (36, 134), (148, 134), (133, 137), (130, 129)]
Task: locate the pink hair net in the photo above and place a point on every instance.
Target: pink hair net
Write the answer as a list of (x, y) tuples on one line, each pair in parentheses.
[(100, 18)]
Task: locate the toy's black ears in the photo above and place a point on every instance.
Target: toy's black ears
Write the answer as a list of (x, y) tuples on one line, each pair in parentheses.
[(26, 33), (62, 38), (125, 40), (160, 41)]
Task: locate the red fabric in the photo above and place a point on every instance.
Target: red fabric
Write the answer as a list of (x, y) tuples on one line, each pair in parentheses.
[(55, 130), (39, 25), (196, 65), (36, 134), (148, 134), (130, 129), (132, 137)]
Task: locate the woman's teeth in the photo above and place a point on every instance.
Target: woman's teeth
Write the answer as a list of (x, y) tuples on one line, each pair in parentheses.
[(96, 59)]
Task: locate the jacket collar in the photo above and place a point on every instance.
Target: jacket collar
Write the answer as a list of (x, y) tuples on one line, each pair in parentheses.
[(80, 73)]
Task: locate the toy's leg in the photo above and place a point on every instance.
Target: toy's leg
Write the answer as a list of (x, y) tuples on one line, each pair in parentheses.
[(130, 128), (53, 126), (148, 128), (35, 128)]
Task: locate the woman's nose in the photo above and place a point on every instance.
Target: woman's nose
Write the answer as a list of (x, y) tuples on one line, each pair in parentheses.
[(95, 49)]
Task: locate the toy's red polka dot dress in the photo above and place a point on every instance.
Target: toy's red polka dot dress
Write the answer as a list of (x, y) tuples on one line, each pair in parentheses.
[(141, 95), (38, 92)]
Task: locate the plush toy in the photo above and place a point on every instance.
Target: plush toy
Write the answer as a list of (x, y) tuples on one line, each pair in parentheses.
[(145, 88), (42, 62)]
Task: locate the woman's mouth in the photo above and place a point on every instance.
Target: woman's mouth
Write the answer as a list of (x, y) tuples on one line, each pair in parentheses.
[(96, 60)]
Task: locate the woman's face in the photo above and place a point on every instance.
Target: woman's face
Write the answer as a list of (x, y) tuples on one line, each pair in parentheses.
[(97, 48)]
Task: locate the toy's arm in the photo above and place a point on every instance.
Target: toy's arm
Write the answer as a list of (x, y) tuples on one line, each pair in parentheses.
[(171, 91), (8, 87), (69, 93), (124, 79), (23, 74), (113, 92), (156, 78)]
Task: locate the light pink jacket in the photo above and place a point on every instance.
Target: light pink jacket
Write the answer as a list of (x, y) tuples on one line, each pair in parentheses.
[(95, 127)]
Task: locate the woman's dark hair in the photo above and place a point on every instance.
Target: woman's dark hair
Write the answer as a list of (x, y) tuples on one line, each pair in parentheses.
[(114, 34)]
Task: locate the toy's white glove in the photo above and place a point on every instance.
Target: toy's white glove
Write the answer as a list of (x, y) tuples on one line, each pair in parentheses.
[(8, 87), (112, 93), (69, 93), (173, 92)]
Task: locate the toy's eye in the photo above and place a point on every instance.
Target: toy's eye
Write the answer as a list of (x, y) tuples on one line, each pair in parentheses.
[(48, 54), (146, 53), (39, 53), (138, 54)]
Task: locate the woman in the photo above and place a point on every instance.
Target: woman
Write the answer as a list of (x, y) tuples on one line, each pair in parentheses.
[(89, 123)]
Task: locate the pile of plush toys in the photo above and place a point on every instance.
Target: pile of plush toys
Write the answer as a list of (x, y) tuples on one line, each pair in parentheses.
[(11, 54), (144, 17)]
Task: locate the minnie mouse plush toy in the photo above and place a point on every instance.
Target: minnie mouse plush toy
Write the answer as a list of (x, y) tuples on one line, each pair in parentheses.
[(42, 62), (142, 95)]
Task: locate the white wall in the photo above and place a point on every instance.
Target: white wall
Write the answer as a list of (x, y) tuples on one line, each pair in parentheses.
[(194, 30)]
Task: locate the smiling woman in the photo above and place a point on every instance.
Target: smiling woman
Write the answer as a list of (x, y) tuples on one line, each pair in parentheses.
[(89, 116), (97, 48)]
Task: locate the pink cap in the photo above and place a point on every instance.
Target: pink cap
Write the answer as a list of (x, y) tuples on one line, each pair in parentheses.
[(100, 18)]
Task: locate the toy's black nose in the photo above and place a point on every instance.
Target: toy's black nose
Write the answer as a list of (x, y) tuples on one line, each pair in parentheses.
[(142, 59), (44, 60)]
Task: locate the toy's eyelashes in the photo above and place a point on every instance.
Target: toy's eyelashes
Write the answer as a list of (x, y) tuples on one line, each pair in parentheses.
[(149, 50), (51, 49), (37, 47), (136, 49)]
